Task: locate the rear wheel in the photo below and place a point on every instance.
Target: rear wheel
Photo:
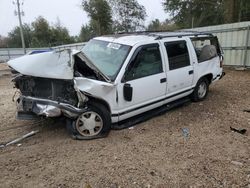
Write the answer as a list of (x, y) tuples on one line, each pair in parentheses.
[(201, 90), (94, 123)]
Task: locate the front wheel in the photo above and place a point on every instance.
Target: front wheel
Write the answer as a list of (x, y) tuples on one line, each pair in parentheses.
[(201, 90), (94, 123)]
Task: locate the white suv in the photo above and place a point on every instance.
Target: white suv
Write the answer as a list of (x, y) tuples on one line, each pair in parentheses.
[(116, 81)]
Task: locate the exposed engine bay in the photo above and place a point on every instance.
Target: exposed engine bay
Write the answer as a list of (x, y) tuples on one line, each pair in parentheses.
[(44, 88), (52, 92)]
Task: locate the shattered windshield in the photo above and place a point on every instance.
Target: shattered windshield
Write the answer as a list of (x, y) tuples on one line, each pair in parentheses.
[(108, 57)]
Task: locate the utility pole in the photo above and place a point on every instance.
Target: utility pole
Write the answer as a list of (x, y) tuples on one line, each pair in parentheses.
[(19, 14), (192, 24)]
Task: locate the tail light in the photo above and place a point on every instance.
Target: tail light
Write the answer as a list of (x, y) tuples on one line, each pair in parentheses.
[(221, 61)]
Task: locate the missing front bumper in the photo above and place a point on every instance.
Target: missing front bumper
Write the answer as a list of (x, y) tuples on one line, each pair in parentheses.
[(30, 107)]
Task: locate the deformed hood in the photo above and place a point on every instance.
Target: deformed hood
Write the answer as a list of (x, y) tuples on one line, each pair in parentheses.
[(55, 64)]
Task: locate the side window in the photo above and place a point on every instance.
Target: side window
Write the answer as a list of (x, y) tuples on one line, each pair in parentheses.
[(147, 61), (206, 48), (178, 56)]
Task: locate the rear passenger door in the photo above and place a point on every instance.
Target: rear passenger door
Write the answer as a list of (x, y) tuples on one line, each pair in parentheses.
[(180, 72)]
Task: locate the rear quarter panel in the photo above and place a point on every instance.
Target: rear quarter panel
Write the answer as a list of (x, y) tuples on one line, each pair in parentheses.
[(211, 66)]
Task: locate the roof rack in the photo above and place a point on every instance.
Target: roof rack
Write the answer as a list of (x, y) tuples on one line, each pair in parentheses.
[(168, 33)]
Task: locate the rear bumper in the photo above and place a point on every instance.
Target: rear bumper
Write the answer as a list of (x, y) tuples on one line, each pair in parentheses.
[(222, 74), (31, 107), (219, 76)]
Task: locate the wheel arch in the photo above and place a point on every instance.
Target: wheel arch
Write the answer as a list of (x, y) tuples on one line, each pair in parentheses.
[(208, 76), (93, 99)]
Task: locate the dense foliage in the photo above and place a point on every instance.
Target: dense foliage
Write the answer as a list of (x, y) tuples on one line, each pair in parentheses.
[(197, 13), (128, 15), (38, 34), (100, 15)]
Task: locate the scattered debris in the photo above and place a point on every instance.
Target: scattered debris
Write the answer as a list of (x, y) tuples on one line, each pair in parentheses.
[(241, 131), (18, 145), (237, 163), (19, 139), (185, 132), (87, 186), (240, 68), (247, 110), (131, 128), (152, 173)]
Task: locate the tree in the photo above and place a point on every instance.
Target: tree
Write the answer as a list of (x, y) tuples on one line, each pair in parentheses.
[(60, 35), (128, 15), (156, 25), (100, 15), (188, 13), (86, 33), (41, 33), (236, 10), (14, 37), (45, 35), (3, 42)]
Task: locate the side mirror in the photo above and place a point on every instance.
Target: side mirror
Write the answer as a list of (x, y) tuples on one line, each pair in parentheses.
[(127, 92)]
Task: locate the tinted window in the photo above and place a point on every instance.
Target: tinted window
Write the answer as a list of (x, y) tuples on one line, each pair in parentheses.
[(147, 62), (178, 56)]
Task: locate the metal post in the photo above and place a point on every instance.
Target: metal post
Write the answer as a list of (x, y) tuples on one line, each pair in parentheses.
[(246, 47), (192, 22), (8, 53), (21, 26)]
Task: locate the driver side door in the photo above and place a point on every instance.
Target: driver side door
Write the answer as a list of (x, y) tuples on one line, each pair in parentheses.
[(145, 80)]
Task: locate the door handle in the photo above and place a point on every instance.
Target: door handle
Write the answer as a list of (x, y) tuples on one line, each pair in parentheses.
[(163, 80), (191, 72)]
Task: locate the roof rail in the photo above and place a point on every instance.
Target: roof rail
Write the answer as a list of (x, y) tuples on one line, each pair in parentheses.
[(145, 31), (180, 33), (183, 35)]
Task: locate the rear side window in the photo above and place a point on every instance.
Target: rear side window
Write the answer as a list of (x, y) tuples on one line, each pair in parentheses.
[(178, 55), (206, 48)]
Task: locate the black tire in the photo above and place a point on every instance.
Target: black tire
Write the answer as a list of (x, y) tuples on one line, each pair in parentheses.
[(102, 116), (196, 96)]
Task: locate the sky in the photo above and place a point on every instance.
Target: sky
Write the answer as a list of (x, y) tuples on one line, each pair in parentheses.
[(69, 13)]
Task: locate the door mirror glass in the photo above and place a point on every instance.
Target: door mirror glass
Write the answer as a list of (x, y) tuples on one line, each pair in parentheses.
[(127, 92)]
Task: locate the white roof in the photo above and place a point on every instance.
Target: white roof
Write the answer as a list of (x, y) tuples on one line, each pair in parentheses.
[(130, 40), (133, 39)]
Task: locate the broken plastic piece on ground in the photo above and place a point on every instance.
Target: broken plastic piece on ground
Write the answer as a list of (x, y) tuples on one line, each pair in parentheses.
[(240, 68), (185, 132), (19, 139), (237, 163), (247, 110), (87, 186), (241, 131), (131, 128)]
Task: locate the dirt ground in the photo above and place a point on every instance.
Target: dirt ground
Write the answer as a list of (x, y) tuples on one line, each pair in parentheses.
[(152, 154)]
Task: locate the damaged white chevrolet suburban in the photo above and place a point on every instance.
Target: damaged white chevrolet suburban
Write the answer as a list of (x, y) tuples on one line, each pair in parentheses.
[(116, 81)]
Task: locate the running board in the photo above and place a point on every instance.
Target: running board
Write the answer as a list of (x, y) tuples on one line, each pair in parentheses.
[(150, 114)]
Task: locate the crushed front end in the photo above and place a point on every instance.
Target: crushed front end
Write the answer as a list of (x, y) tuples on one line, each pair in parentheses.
[(46, 97)]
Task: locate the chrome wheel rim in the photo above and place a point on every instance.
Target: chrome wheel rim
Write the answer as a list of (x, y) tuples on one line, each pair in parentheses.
[(202, 90), (89, 124)]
